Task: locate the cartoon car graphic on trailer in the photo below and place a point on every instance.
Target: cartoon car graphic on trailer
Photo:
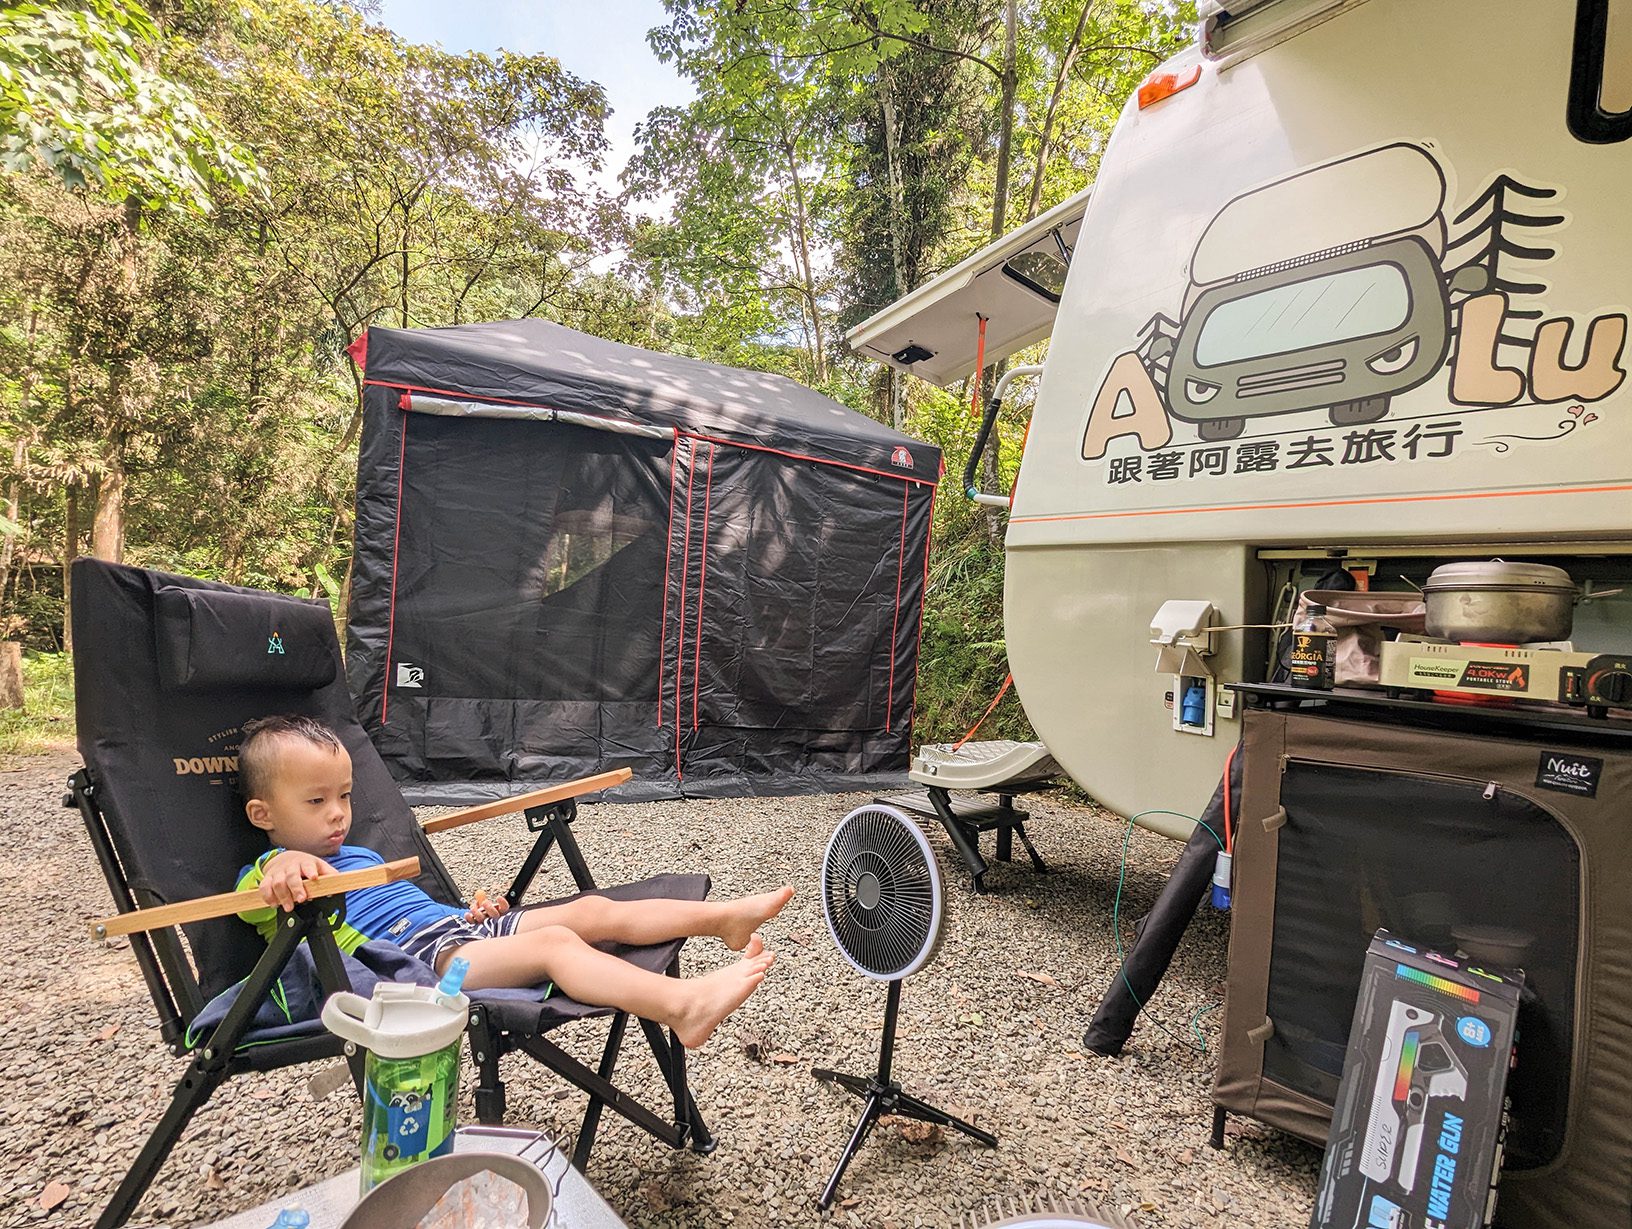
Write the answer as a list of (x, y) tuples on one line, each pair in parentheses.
[(1325, 289)]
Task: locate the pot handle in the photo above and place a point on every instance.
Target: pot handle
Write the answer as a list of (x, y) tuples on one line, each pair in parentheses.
[(1595, 594)]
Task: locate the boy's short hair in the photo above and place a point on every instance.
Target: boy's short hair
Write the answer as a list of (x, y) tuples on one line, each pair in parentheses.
[(258, 747)]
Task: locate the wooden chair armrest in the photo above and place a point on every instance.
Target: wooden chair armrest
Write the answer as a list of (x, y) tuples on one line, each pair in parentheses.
[(222, 904), (521, 802)]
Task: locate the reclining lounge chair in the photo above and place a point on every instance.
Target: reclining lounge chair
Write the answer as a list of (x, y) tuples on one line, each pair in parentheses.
[(166, 670)]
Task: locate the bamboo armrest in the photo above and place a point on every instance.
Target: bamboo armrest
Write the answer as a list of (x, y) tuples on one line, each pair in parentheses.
[(521, 802), (222, 904)]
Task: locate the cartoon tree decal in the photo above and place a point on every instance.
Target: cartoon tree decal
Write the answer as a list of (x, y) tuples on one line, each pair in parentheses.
[(1483, 241), (1155, 346)]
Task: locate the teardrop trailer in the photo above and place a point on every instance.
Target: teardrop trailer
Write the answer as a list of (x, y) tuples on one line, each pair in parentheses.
[(1349, 299)]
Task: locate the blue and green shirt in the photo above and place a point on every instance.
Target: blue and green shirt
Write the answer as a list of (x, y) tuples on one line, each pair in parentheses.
[(391, 911)]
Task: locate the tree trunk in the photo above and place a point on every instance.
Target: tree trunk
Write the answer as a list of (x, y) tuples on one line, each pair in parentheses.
[(1067, 62), (404, 300), (11, 674), (14, 482), (1005, 131), (108, 524), (801, 232), (70, 552), (892, 160), (14, 510), (1000, 208)]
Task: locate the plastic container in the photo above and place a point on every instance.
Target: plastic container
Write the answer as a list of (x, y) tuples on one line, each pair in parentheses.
[(1313, 660), (411, 1076), (1221, 881), (291, 1218)]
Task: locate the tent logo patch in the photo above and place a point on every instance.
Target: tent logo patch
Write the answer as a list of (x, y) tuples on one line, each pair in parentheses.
[(275, 644), (410, 675), (901, 458)]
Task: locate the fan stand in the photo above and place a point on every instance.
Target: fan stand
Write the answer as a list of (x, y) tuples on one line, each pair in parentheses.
[(884, 1096)]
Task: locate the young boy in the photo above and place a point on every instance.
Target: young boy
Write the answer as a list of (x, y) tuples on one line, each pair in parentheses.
[(296, 778)]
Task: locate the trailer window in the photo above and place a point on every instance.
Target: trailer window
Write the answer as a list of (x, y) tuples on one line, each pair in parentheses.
[(1038, 272), (1300, 316), (1600, 100)]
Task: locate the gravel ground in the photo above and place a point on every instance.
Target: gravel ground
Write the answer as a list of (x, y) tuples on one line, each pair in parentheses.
[(992, 1031)]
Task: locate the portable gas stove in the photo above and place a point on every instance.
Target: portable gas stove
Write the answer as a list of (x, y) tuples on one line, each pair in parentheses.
[(1537, 674)]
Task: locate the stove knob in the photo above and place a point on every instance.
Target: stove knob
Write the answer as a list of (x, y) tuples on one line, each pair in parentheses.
[(1613, 687)]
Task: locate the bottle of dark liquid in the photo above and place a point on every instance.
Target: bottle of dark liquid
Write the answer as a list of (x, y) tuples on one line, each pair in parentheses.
[(1314, 650)]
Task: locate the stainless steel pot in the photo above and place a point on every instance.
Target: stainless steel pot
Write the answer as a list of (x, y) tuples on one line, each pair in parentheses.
[(1500, 603), (402, 1201)]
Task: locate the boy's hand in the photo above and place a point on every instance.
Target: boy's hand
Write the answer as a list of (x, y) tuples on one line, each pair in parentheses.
[(283, 881), (485, 908)]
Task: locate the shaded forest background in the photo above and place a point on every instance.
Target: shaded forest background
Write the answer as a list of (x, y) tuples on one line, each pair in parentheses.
[(203, 202)]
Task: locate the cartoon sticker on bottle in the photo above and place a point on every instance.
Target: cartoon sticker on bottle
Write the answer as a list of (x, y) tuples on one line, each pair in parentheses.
[(1337, 290)]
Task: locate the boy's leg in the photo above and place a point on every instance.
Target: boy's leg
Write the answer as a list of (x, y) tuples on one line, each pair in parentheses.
[(692, 1007), (598, 919)]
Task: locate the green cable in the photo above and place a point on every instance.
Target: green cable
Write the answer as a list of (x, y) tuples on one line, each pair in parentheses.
[(1116, 931)]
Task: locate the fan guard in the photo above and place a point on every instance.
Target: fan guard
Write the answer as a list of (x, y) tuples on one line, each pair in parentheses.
[(881, 893)]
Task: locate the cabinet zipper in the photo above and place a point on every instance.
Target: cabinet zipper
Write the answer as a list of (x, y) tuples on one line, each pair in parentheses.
[(1491, 788)]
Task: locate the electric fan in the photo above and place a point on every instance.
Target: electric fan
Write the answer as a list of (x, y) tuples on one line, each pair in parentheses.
[(1038, 1210), (881, 895)]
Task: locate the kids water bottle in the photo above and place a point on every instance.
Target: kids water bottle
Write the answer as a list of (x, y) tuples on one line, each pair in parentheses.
[(411, 1076)]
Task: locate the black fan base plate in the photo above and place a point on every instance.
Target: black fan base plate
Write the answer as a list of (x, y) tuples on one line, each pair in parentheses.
[(885, 1097)]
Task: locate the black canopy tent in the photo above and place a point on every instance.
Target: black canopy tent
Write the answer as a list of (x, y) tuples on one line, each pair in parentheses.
[(574, 555)]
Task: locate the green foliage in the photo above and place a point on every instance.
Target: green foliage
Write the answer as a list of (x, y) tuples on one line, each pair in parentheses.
[(174, 317), (47, 719), (78, 99)]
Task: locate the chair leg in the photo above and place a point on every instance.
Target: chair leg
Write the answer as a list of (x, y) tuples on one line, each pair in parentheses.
[(591, 1082), (484, 1051), (671, 1060), (191, 1092), (592, 1112), (561, 825)]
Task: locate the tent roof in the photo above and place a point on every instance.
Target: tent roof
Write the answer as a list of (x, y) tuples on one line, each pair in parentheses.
[(534, 363)]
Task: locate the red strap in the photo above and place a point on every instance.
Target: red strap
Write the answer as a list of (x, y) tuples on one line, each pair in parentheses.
[(1229, 828), (980, 366), (1001, 691)]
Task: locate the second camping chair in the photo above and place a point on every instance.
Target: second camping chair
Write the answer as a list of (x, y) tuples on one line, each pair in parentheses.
[(166, 671)]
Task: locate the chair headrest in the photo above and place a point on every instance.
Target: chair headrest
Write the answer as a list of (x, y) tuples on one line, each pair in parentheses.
[(213, 640)]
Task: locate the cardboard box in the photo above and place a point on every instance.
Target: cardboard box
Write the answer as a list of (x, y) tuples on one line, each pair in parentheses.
[(1417, 1130)]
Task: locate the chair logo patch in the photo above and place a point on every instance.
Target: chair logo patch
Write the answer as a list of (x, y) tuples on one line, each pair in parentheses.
[(410, 675), (275, 644)]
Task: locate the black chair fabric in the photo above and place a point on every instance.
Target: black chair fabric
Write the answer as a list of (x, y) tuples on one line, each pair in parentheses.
[(165, 759)]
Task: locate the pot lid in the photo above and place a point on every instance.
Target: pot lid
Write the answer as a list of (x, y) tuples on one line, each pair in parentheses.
[(1498, 574)]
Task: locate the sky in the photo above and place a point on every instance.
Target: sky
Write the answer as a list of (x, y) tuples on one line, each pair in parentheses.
[(603, 40)]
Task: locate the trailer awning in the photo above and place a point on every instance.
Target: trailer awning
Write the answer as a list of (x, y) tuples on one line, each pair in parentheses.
[(1014, 283)]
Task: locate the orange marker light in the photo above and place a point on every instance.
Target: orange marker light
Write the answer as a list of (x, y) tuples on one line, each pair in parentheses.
[(1160, 85)]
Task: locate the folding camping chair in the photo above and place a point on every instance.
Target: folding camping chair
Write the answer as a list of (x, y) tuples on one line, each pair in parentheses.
[(166, 670)]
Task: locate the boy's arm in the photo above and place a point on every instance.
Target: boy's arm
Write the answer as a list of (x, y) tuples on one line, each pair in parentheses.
[(250, 881), (280, 878)]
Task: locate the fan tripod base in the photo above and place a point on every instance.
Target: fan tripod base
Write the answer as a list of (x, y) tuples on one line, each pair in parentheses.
[(884, 1096)]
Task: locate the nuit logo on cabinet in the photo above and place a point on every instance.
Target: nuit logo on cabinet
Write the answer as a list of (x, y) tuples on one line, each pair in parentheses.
[(1569, 774)]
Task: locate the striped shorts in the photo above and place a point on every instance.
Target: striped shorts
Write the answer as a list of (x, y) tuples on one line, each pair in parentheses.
[(430, 942)]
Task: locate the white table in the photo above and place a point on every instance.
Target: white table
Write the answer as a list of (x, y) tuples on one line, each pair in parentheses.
[(329, 1202)]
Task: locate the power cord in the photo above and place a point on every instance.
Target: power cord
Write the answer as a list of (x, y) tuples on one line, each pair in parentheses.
[(1200, 1044)]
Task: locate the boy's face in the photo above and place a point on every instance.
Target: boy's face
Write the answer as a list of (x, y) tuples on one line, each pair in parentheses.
[(308, 803)]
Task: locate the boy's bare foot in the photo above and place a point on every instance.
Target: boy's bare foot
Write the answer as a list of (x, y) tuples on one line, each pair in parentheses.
[(749, 913), (716, 995)]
